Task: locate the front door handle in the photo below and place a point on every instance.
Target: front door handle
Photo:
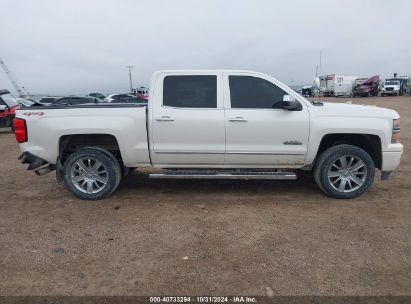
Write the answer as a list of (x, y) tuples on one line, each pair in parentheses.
[(165, 118), (238, 119)]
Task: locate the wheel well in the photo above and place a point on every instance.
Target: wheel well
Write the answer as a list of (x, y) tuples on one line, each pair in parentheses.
[(369, 143), (69, 144)]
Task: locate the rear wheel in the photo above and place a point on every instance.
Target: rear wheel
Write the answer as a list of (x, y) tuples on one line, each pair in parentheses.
[(344, 171), (91, 174)]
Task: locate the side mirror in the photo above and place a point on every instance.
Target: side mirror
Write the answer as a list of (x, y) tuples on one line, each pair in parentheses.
[(290, 104), (3, 108)]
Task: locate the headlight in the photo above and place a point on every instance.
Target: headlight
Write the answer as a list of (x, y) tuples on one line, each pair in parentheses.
[(395, 131)]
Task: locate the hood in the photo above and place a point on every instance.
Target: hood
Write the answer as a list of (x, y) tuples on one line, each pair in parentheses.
[(354, 110), (391, 86), (363, 88), (371, 80)]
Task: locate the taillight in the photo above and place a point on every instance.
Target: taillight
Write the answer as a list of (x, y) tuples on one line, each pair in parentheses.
[(20, 130), (395, 131)]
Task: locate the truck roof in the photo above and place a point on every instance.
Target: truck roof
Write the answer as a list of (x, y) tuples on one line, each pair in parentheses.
[(205, 71)]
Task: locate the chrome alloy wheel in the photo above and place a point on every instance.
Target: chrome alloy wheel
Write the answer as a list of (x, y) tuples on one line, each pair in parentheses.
[(89, 175), (347, 173)]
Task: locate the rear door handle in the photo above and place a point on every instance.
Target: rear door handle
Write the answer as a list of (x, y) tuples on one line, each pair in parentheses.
[(165, 118), (238, 119)]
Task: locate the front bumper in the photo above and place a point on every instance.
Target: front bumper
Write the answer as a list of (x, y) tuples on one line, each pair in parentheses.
[(390, 92), (391, 158)]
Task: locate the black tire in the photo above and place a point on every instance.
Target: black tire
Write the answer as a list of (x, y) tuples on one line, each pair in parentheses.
[(327, 160), (111, 175)]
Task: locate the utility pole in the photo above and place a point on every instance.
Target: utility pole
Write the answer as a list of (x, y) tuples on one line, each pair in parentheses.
[(320, 62), (130, 67), (319, 73)]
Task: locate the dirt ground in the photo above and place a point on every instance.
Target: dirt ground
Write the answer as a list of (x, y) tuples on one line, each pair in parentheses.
[(156, 237)]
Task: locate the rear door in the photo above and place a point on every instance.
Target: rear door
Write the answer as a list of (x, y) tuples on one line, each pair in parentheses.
[(188, 120), (259, 133)]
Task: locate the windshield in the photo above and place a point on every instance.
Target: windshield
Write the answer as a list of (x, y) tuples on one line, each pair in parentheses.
[(9, 100), (392, 83)]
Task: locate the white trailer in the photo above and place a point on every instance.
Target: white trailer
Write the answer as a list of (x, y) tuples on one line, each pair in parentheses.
[(343, 85), (336, 85)]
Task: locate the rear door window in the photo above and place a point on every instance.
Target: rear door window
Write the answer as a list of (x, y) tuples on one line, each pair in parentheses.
[(195, 91)]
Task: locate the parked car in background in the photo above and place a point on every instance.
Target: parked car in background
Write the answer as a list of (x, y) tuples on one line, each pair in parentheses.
[(8, 107), (97, 95), (403, 80), (212, 125), (368, 87), (74, 100), (131, 99), (24, 102), (307, 91), (48, 100), (112, 97), (391, 87), (141, 93)]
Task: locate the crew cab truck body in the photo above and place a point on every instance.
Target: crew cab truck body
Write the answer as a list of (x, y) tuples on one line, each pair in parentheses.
[(212, 124)]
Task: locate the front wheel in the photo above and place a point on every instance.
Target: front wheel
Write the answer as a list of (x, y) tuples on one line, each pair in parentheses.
[(91, 174), (344, 171)]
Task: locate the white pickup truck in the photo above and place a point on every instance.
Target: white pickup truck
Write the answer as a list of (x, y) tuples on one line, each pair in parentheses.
[(212, 124)]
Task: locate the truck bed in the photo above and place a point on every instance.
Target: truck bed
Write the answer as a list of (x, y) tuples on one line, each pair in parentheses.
[(46, 126)]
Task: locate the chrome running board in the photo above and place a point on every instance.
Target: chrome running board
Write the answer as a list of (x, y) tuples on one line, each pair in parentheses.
[(205, 174)]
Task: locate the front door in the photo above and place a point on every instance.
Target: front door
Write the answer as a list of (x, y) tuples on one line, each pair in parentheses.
[(188, 120), (259, 133)]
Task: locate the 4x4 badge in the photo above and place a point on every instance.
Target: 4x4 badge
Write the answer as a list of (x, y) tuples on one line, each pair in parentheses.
[(33, 113)]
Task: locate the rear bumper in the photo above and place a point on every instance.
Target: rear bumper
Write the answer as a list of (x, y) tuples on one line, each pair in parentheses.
[(33, 161)]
